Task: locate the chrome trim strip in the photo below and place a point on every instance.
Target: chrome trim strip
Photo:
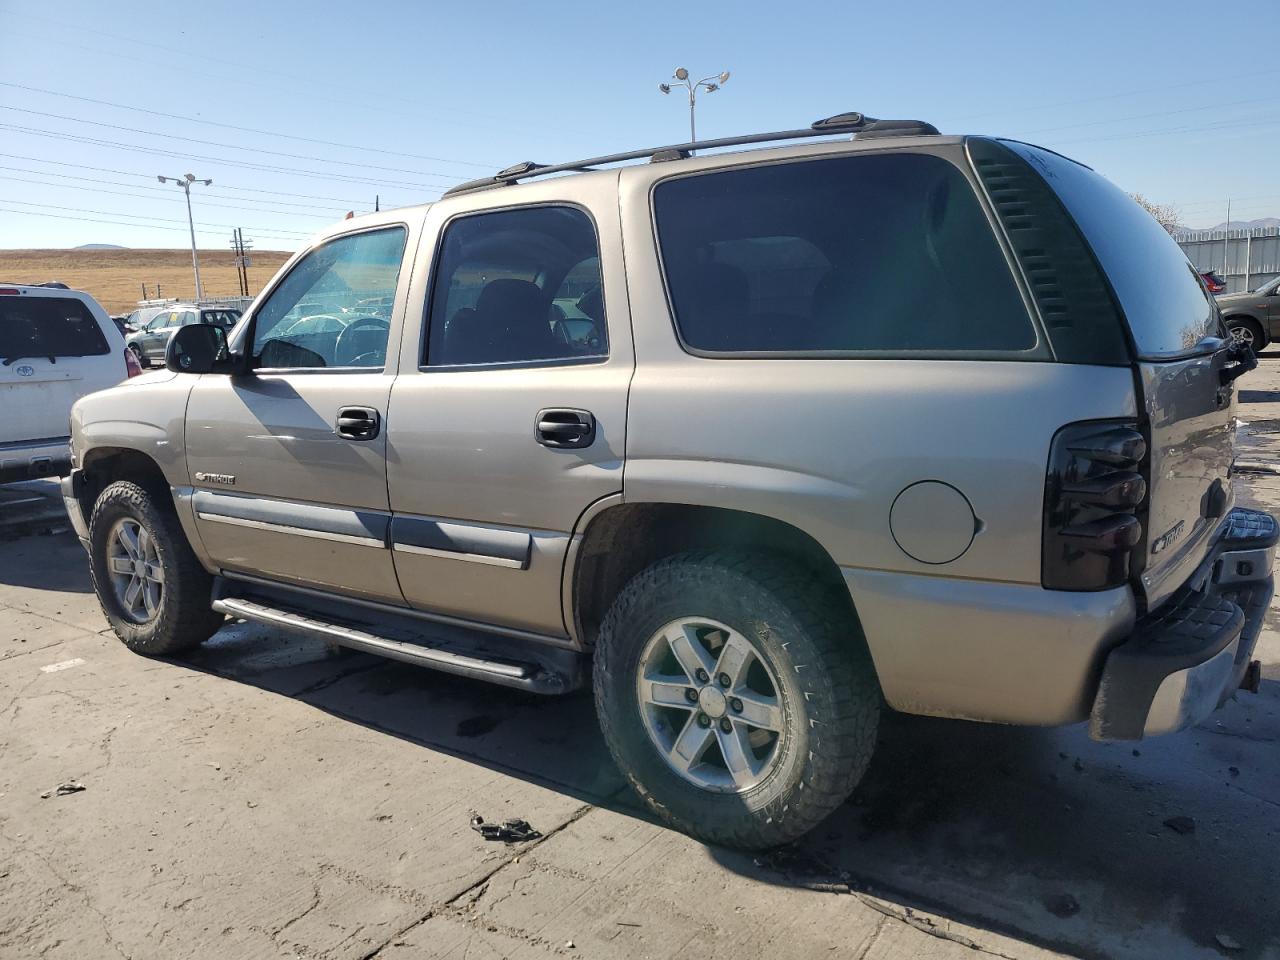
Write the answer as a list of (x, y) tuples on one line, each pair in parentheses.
[(296, 531), (514, 632), (457, 555)]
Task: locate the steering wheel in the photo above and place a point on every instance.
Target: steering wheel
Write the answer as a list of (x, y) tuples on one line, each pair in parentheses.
[(318, 320), (345, 340)]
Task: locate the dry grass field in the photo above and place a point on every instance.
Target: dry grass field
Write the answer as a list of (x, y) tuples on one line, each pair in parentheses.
[(115, 277)]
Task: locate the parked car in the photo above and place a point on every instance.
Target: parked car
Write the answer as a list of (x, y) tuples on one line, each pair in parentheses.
[(859, 424), (1213, 282), (56, 345), (149, 341), (1253, 317), (122, 324)]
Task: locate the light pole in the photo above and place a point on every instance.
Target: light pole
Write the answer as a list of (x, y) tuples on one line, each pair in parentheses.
[(185, 183), (710, 84)]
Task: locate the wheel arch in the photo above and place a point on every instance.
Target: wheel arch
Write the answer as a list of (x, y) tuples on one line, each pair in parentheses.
[(617, 540)]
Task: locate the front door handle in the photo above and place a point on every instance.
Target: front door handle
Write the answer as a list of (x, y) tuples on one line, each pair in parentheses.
[(358, 423), (561, 428)]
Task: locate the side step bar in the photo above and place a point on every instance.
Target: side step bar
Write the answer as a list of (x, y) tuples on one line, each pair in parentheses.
[(530, 676)]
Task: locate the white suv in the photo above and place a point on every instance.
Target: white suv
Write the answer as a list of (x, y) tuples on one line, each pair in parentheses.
[(55, 346)]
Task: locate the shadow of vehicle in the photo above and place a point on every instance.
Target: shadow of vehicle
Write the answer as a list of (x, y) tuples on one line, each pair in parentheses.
[(1039, 834)]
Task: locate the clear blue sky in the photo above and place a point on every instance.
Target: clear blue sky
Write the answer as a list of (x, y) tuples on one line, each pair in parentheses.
[(1141, 91)]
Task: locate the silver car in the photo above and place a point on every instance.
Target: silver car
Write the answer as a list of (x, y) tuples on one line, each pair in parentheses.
[(758, 444), (150, 340)]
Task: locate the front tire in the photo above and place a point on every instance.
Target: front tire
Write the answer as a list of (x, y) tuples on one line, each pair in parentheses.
[(736, 696), (153, 590), (1247, 331), (139, 356)]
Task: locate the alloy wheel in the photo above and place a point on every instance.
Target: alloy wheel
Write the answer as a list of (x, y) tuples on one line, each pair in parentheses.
[(137, 576), (711, 705)]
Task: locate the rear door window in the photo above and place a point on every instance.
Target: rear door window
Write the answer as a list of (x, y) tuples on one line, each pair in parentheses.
[(34, 327), (1160, 292), (518, 286), (889, 254)]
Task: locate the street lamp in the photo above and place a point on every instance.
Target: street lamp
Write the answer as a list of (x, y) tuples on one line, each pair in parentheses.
[(185, 183), (710, 84)]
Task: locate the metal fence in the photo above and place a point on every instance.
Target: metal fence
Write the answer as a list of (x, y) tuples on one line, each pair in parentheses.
[(1244, 259)]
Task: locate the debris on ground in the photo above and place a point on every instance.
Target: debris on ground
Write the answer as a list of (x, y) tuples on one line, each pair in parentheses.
[(62, 789), (1062, 905), (1228, 942), (509, 831), (1234, 771), (1182, 825)]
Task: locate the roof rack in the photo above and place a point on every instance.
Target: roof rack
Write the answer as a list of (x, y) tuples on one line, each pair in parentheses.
[(853, 122)]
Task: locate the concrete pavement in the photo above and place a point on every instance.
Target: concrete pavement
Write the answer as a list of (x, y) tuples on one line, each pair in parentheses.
[(268, 797)]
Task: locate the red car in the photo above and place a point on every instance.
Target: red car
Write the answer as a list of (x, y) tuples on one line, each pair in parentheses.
[(1213, 282)]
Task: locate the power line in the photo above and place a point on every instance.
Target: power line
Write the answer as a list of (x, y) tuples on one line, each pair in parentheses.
[(157, 151), (156, 190), (1145, 116), (216, 143), (115, 223), (375, 103), (1042, 107), (1197, 128), (135, 216), (232, 126), (156, 195), (131, 173)]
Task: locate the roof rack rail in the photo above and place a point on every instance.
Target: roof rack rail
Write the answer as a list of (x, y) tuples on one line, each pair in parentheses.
[(852, 122)]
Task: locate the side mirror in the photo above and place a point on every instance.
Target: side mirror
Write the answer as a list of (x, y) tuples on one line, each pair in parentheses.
[(198, 348)]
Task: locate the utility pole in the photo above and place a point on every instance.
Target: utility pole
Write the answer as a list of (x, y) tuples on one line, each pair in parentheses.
[(240, 246), (185, 183), (1226, 243), (710, 84)]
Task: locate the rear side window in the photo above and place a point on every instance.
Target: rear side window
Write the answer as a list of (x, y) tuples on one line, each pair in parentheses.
[(220, 318), (518, 286), (32, 327), (883, 254), (1163, 300)]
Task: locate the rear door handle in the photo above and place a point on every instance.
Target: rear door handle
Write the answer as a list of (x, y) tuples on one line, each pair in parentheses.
[(358, 423), (561, 428)]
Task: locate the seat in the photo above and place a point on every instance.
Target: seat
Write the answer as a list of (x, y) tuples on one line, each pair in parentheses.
[(717, 307), (510, 322)]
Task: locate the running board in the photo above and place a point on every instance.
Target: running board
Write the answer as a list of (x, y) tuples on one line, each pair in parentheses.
[(533, 676)]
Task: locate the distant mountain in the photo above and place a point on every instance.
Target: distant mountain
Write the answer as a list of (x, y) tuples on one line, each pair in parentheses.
[(1246, 224), (101, 246)]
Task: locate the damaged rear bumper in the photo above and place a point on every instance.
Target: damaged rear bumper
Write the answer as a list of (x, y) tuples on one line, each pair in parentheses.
[(1190, 656)]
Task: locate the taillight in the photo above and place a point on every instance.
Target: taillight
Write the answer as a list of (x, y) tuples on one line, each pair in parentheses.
[(131, 365), (1093, 490)]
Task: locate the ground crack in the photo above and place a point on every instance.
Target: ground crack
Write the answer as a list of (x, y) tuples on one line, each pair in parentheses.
[(472, 894), (925, 924)]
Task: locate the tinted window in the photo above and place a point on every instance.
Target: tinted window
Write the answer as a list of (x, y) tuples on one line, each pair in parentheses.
[(518, 286), (870, 253), (220, 318), (319, 315), (1163, 299), (187, 319), (32, 327)]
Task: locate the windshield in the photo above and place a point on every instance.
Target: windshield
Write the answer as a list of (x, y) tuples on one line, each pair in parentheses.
[(1269, 287), (1163, 299)]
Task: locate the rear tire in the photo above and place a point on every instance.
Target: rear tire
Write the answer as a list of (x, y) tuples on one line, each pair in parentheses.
[(1248, 331), (752, 787), (153, 590)]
